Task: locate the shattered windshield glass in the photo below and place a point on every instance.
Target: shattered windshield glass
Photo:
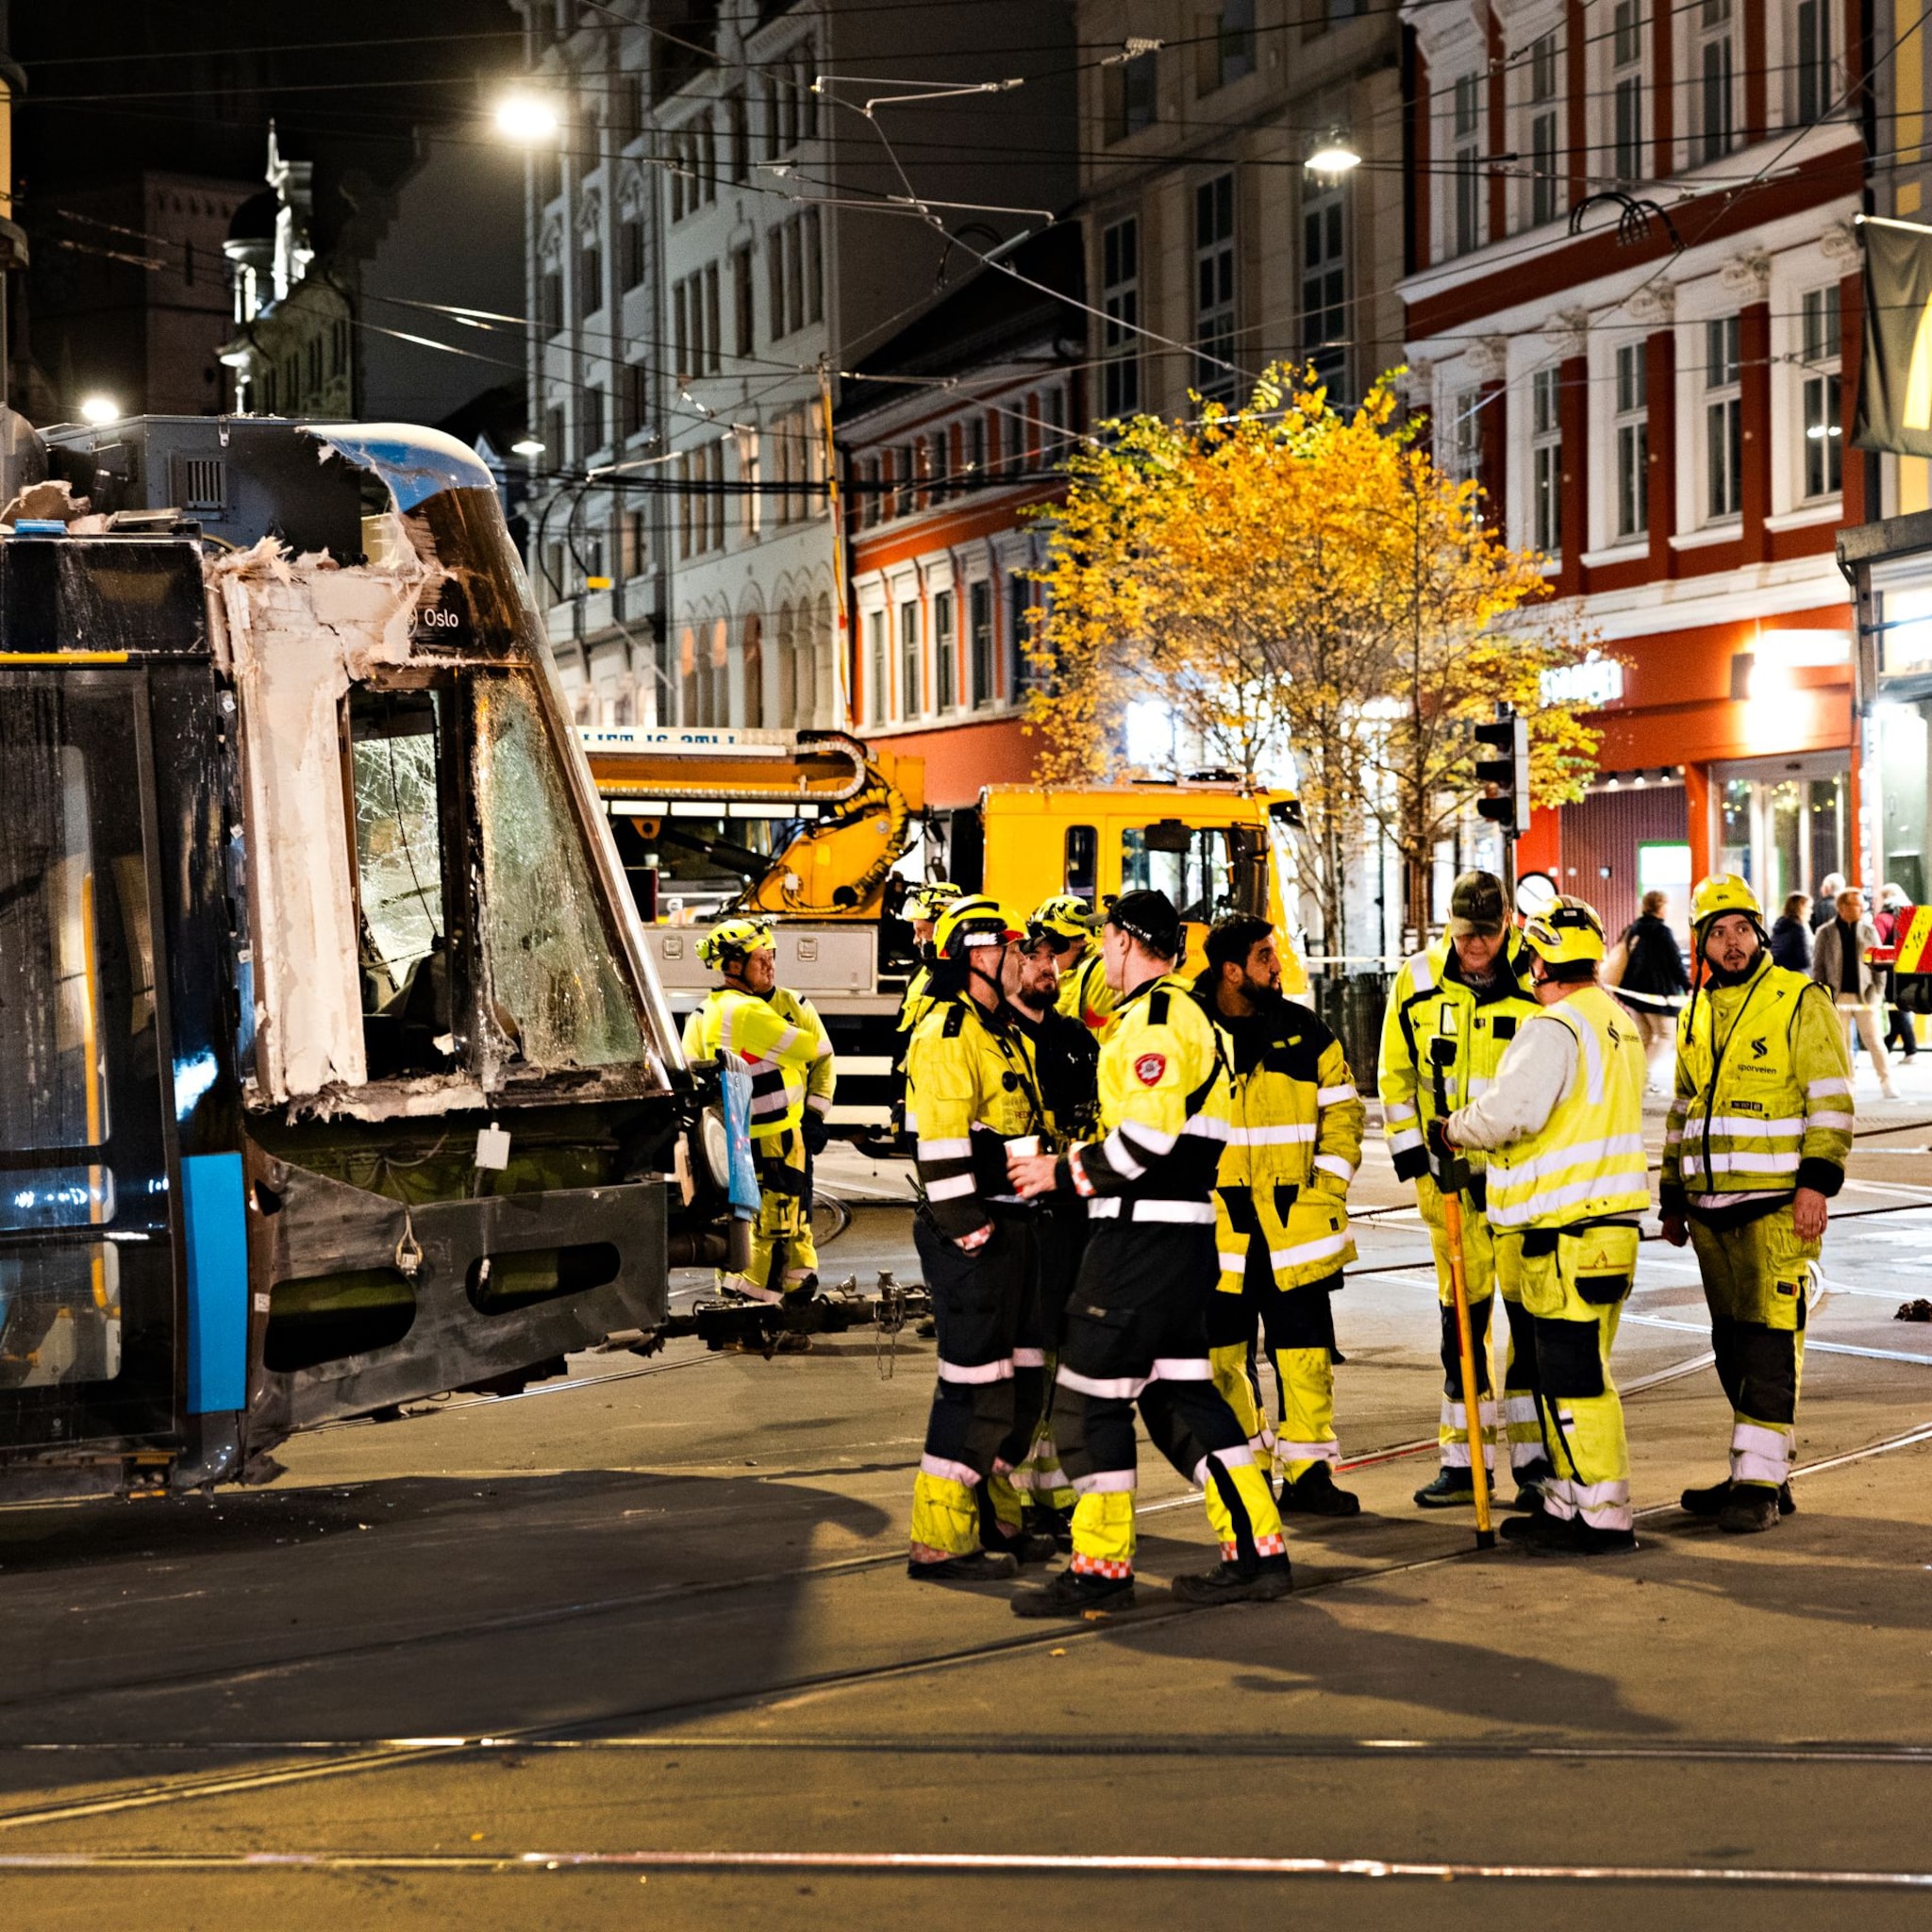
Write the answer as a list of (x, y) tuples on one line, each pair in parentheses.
[(556, 991)]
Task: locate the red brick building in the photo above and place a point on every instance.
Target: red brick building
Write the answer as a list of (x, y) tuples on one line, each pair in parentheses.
[(1633, 309), (952, 430)]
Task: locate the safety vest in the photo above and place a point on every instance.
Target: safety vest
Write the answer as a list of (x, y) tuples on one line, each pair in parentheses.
[(970, 1088), (822, 1076), (1585, 1161), (1428, 1004), (1085, 994), (1764, 1084), (1294, 1142), (777, 1050), (917, 1001), (1164, 1110)]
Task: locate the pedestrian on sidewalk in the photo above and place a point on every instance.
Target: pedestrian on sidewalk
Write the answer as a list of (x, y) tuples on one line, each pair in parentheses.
[(1790, 935), (1652, 983), (1842, 963), (1824, 901)]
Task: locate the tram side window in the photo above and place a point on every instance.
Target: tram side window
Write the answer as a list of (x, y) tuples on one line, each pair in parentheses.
[(1082, 867), (1196, 866), (554, 991), (396, 776)]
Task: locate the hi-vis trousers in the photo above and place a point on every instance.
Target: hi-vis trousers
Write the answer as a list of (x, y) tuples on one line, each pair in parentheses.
[(1137, 1336)]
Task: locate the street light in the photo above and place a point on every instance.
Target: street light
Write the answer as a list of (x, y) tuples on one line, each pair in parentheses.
[(99, 410), (1333, 155), (529, 449), (525, 118)]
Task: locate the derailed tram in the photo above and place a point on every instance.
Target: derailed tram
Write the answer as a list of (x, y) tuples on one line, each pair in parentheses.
[(333, 1070)]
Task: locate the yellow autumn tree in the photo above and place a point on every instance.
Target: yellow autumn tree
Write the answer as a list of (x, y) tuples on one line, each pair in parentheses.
[(1296, 582)]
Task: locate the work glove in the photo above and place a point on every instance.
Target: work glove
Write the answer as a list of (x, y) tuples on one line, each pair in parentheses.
[(814, 1132)]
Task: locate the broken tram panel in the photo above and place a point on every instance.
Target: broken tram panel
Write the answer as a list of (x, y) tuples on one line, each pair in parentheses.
[(335, 1070)]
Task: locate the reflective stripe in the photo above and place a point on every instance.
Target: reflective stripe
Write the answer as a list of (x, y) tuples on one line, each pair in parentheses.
[(1395, 1110), (1455, 1456), (1120, 1159), (1232, 1264), (1001, 1371), (1760, 1454), (1673, 1133), (1421, 973), (1181, 1368), (1105, 1482), (1587, 1046), (1285, 1134), (950, 1189), (1844, 1123), (948, 1471), (1579, 1153), (1334, 1096), (1107, 1387), (1736, 1125), (1603, 1505), (1309, 1251), (946, 1150), (1114, 1207), (1329, 1451), (1402, 1143), (1818, 1090), (1743, 1163), (1605, 1182), (1519, 1408), (1206, 1126), (1333, 1163), (1243, 1458), (819, 1103), (1029, 1357), (1456, 1416)]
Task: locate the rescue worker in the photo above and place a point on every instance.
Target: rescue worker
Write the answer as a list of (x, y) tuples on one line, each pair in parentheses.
[(1452, 1013), (1136, 1323), (925, 904), (1084, 993), (782, 1042), (1563, 1127), (1066, 1057), (1281, 1212), (970, 1088), (1754, 1150)]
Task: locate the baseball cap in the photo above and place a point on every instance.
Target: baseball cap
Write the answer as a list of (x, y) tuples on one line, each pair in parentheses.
[(1477, 906), (1150, 918)]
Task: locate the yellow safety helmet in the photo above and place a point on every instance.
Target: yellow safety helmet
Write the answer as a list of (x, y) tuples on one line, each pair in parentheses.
[(929, 898), (732, 938), (970, 923), (1569, 931), (1063, 917), (1725, 892)]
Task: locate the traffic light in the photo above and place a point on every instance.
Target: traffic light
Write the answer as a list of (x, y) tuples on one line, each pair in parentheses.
[(1504, 773)]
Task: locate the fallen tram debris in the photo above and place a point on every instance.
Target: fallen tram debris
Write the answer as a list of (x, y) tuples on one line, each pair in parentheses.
[(722, 1322)]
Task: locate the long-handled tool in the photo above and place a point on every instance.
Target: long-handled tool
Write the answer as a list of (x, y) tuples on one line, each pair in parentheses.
[(1452, 1177)]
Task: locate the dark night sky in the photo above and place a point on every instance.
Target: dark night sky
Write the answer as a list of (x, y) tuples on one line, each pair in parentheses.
[(375, 94)]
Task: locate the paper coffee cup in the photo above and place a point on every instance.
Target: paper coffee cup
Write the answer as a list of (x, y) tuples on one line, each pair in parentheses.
[(1025, 1147)]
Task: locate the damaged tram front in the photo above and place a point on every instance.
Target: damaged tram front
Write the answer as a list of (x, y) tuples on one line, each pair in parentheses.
[(333, 1070)]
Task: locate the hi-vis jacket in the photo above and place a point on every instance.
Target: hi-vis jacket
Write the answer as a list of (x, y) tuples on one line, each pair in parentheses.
[(1164, 1099), (782, 1046), (970, 1088), (1431, 1002), (822, 1076), (917, 1000), (1085, 994), (1294, 1142), (1564, 1120), (1763, 1099)]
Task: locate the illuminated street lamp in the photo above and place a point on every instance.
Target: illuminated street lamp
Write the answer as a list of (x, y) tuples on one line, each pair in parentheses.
[(529, 449), (1332, 155), (526, 118), (99, 410)]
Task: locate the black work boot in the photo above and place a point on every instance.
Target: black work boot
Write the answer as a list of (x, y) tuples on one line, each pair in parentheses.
[(1709, 1503), (1024, 1546), (1042, 1519), (1748, 1508), (1540, 1532), (980, 1566), (1313, 1494), (1261, 1581), (1453, 1489), (1530, 1479), (1074, 1594)]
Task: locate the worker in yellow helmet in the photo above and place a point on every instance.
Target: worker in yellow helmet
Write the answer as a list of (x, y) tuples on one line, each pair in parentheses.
[(1563, 1127), (782, 1040), (1073, 934), (924, 905), (1755, 1149), (1137, 1325), (971, 1088), (1454, 1009)]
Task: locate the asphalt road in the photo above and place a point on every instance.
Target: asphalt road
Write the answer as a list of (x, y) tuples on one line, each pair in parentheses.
[(638, 1648)]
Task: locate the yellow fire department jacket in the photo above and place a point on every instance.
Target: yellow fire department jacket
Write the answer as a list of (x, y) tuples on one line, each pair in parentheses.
[(822, 1076), (1430, 1002), (1294, 1142), (1164, 1106), (780, 1051), (970, 1088), (1763, 1098), (1085, 994)]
